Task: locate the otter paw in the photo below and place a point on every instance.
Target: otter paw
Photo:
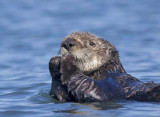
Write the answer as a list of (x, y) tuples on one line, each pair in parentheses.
[(54, 67), (68, 67)]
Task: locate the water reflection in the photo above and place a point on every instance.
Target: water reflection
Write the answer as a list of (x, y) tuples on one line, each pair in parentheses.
[(104, 105), (75, 112), (88, 109), (42, 97), (95, 109)]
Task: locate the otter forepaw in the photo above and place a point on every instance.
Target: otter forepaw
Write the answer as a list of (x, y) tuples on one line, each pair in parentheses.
[(54, 67), (68, 67)]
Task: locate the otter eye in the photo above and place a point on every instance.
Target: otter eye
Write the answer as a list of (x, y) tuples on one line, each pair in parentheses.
[(91, 44)]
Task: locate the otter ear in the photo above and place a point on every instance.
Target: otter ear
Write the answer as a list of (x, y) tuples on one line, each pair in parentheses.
[(114, 53)]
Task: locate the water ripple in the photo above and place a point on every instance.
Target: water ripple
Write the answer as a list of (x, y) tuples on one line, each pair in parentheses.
[(31, 32)]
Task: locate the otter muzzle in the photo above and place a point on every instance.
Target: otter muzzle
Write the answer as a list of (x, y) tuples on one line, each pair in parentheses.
[(68, 43)]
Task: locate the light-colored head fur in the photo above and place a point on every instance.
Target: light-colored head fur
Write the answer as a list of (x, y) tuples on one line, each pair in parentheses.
[(91, 52)]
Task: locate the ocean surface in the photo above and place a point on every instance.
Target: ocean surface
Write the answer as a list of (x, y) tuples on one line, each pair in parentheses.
[(31, 32)]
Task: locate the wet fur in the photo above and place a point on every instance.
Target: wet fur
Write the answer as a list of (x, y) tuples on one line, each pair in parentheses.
[(107, 80)]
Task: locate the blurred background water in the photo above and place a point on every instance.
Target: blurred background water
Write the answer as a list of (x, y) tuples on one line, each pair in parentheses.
[(31, 32)]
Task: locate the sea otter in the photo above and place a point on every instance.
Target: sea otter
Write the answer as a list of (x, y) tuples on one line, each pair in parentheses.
[(89, 70)]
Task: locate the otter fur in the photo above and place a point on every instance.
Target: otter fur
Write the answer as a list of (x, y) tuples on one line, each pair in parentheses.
[(89, 70)]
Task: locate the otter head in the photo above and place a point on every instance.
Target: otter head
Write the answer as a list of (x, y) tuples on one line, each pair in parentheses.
[(90, 52)]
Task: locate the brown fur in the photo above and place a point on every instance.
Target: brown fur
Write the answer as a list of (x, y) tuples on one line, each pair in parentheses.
[(90, 70)]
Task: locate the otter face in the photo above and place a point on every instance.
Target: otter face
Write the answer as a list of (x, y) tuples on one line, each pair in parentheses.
[(90, 51)]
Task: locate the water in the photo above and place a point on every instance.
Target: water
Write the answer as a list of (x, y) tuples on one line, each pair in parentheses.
[(31, 32)]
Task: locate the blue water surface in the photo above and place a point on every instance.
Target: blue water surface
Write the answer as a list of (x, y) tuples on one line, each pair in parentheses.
[(31, 32)]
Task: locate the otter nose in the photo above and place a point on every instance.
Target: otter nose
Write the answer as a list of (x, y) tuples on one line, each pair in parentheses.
[(68, 43)]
